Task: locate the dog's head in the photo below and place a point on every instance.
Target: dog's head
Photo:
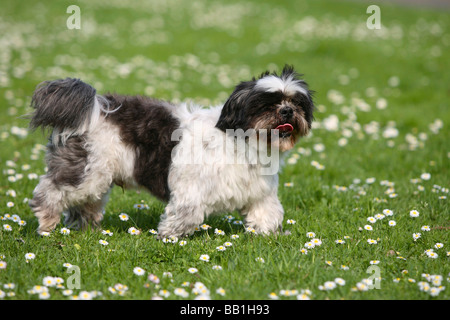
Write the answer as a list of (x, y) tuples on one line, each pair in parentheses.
[(280, 105)]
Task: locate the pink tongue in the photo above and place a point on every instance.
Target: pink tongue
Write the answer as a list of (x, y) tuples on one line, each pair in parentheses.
[(285, 127)]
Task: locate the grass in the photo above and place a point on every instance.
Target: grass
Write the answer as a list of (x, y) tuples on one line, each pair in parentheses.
[(198, 51)]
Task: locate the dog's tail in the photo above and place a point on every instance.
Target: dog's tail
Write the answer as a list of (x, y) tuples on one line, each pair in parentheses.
[(69, 106)]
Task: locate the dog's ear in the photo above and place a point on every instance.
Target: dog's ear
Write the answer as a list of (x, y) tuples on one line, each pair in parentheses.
[(232, 114)]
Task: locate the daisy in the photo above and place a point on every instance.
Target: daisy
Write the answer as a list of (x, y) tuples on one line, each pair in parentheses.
[(309, 245), (153, 231), (221, 291), (45, 233), (123, 217), (250, 230), (425, 228), (204, 257), (370, 180), (221, 248), (291, 221), (67, 292), (388, 212), (379, 216), (219, 232), (85, 295), (259, 259), (9, 286), (10, 204), (371, 241), (138, 271), (133, 231), (329, 285), (205, 227), (181, 292), (216, 267), (193, 270), (273, 296), (49, 281), (304, 251), (374, 262), (103, 242), (392, 223), (303, 296), (439, 245), (22, 223), (367, 227), (107, 232), (361, 286), (416, 236), (3, 265), (153, 278), (329, 263), (317, 242), (30, 256), (432, 255), (164, 293), (7, 227), (340, 241), (67, 265), (234, 236), (371, 219), (310, 234), (414, 213), (425, 176), (344, 267), (44, 295), (65, 231), (434, 291), (339, 281), (227, 244), (140, 206), (182, 242)]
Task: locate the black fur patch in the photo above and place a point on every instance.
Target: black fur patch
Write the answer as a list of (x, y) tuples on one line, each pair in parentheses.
[(147, 125)]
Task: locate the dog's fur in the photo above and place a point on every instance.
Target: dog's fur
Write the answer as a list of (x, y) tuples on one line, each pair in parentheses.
[(134, 141)]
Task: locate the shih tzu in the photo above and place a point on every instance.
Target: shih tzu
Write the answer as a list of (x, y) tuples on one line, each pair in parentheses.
[(200, 161)]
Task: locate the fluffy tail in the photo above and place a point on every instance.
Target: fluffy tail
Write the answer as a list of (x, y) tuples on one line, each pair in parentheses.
[(69, 106)]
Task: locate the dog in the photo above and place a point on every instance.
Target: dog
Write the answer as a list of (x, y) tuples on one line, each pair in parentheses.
[(198, 160)]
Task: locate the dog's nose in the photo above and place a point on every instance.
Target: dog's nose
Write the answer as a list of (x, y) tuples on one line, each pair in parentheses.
[(287, 112)]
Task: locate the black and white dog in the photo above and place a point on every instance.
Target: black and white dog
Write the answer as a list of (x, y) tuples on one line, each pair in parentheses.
[(197, 160)]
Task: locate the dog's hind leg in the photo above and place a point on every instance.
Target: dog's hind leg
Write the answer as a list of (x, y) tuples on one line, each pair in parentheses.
[(47, 204), (89, 214), (55, 192)]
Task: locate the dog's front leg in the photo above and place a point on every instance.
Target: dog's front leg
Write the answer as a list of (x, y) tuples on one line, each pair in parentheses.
[(265, 215), (179, 220)]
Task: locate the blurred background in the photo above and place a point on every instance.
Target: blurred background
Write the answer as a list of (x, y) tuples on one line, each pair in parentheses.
[(366, 80)]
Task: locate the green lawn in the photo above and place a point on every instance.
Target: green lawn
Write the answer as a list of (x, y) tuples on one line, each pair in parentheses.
[(380, 141)]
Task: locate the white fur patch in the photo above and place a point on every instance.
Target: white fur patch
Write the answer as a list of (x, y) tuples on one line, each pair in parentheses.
[(288, 86)]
